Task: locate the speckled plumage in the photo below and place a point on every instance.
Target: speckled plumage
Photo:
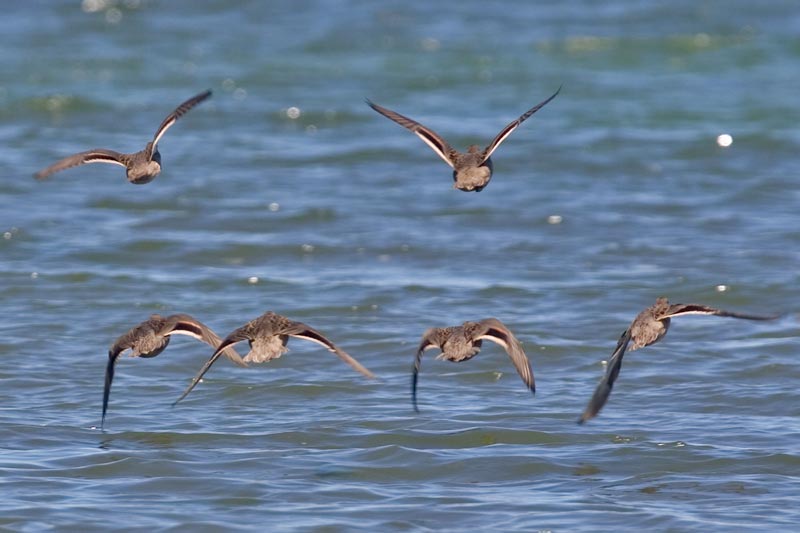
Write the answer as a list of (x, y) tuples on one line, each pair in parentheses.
[(647, 328), (471, 170), (267, 336), (152, 336), (460, 343), (140, 167)]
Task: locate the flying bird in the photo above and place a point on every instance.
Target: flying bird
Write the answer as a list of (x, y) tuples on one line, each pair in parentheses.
[(152, 336), (267, 336), (460, 343), (647, 328), (140, 167), (471, 170)]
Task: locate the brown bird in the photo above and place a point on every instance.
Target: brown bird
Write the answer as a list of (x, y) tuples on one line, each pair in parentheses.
[(152, 336), (459, 343), (472, 170), (267, 336), (647, 328), (140, 167)]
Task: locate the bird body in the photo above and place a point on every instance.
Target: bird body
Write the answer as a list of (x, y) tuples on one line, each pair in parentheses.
[(143, 340), (268, 335), (650, 325), (457, 343), (263, 349)]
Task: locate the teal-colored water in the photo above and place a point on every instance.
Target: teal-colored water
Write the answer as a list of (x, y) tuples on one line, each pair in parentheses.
[(615, 193)]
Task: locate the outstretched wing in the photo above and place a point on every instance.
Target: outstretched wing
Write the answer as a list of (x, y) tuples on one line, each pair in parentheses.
[(497, 332), (237, 336), (303, 331), (697, 309), (98, 155), (603, 390), (430, 339), (505, 132), (428, 136), (113, 354), (181, 110), (183, 324)]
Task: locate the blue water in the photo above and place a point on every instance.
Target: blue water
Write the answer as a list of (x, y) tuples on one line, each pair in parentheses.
[(286, 192)]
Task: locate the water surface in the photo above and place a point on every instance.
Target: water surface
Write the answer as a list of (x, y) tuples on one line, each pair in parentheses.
[(615, 193)]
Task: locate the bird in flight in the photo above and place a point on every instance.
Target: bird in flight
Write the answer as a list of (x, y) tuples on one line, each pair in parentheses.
[(471, 170), (460, 343), (267, 336), (140, 167), (647, 328), (152, 336)]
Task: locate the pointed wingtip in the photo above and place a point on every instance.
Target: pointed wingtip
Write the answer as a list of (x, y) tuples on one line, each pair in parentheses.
[(367, 373), (103, 418), (185, 393)]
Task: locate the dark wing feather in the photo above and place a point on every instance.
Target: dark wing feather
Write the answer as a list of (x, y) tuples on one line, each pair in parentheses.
[(181, 110), (505, 132), (113, 354), (697, 309), (603, 390), (98, 155), (428, 136), (303, 331), (497, 332), (429, 340)]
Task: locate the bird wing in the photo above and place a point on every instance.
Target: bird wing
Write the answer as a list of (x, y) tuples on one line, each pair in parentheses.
[(505, 132), (697, 309), (497, 332), (603, 390), (112, 359), (98, 155), (182, 324), (303, 331), (428, 136), (237, 336), (181, 110), (430, 339)]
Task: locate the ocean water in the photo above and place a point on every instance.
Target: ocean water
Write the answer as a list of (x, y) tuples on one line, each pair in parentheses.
[(286, 192)]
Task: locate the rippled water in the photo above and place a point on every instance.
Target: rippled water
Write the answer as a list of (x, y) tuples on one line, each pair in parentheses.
[(615, 193)]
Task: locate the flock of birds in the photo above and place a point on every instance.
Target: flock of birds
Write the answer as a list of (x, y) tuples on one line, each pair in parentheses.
[(268, 334)]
